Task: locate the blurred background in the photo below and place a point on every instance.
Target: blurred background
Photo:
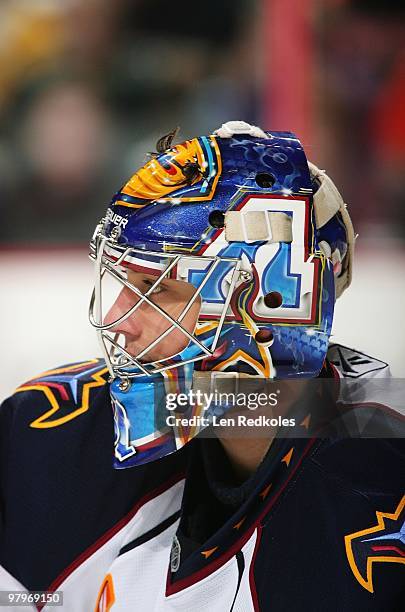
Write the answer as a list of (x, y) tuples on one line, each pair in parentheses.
[(88, 86)]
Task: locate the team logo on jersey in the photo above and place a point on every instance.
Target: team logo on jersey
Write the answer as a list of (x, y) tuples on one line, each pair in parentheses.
[(175, 555), (66, 391), (106, 596), (381, 543)]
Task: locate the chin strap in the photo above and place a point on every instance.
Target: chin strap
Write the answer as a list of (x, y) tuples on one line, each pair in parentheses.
[(217, 382)]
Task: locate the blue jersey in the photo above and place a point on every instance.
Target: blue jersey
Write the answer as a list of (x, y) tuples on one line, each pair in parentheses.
[(319, 525)]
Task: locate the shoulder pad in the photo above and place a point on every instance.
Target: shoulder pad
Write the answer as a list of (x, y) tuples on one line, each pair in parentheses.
[(351, 363), (368, 396), (64, 392)]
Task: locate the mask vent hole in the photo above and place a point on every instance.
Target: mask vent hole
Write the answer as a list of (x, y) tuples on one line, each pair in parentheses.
[(217, 218), (274, 299), (265, 180), (264, 336)]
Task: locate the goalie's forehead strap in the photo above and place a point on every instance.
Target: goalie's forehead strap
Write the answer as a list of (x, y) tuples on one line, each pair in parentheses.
[(256, 225), (328, 202)]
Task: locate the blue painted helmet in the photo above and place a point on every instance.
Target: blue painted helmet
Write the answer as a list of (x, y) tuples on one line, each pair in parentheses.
[(265, 241)]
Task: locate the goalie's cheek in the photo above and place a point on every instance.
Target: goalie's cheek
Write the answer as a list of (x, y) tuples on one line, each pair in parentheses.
[(175, 340), (132, 324), (147, 324)]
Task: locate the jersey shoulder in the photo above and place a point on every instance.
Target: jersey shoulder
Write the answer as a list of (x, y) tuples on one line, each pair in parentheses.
[(352, 363), (365, 450), (370, 401), (60, 394), (79, 369), (56, 468)]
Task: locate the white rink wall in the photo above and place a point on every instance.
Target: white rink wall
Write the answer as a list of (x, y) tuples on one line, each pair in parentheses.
[(45, 295)]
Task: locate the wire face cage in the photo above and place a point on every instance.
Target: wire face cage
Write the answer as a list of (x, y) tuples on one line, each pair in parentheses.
[(188, 277)]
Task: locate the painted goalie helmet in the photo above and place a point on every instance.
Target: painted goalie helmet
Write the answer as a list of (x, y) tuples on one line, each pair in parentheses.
[(257, 243)]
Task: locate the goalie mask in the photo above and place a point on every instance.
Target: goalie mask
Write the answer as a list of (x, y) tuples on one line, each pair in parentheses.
[(226, 252)]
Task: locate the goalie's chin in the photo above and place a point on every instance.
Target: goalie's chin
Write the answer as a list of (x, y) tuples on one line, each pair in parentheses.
[(149, 358)]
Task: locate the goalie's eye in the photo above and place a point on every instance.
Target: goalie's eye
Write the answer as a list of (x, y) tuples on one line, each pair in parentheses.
[(148, 283)]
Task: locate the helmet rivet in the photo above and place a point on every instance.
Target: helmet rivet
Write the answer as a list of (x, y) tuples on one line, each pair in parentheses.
[(263, 336), (265, 180), (216, 218), (245, 276), (115, 233), (274, 299), (124, 385)]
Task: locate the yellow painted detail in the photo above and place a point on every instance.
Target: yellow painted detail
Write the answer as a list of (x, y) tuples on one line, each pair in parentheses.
[(367, 581), (42, 421), (265, 491), (155, 181), (305, 422), (106, 596), (287, 458), (208, 553)]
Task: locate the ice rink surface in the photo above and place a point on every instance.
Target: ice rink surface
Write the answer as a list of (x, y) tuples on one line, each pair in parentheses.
[(45, 295)]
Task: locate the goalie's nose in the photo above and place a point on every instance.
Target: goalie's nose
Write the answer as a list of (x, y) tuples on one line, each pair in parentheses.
[(133, 324)]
